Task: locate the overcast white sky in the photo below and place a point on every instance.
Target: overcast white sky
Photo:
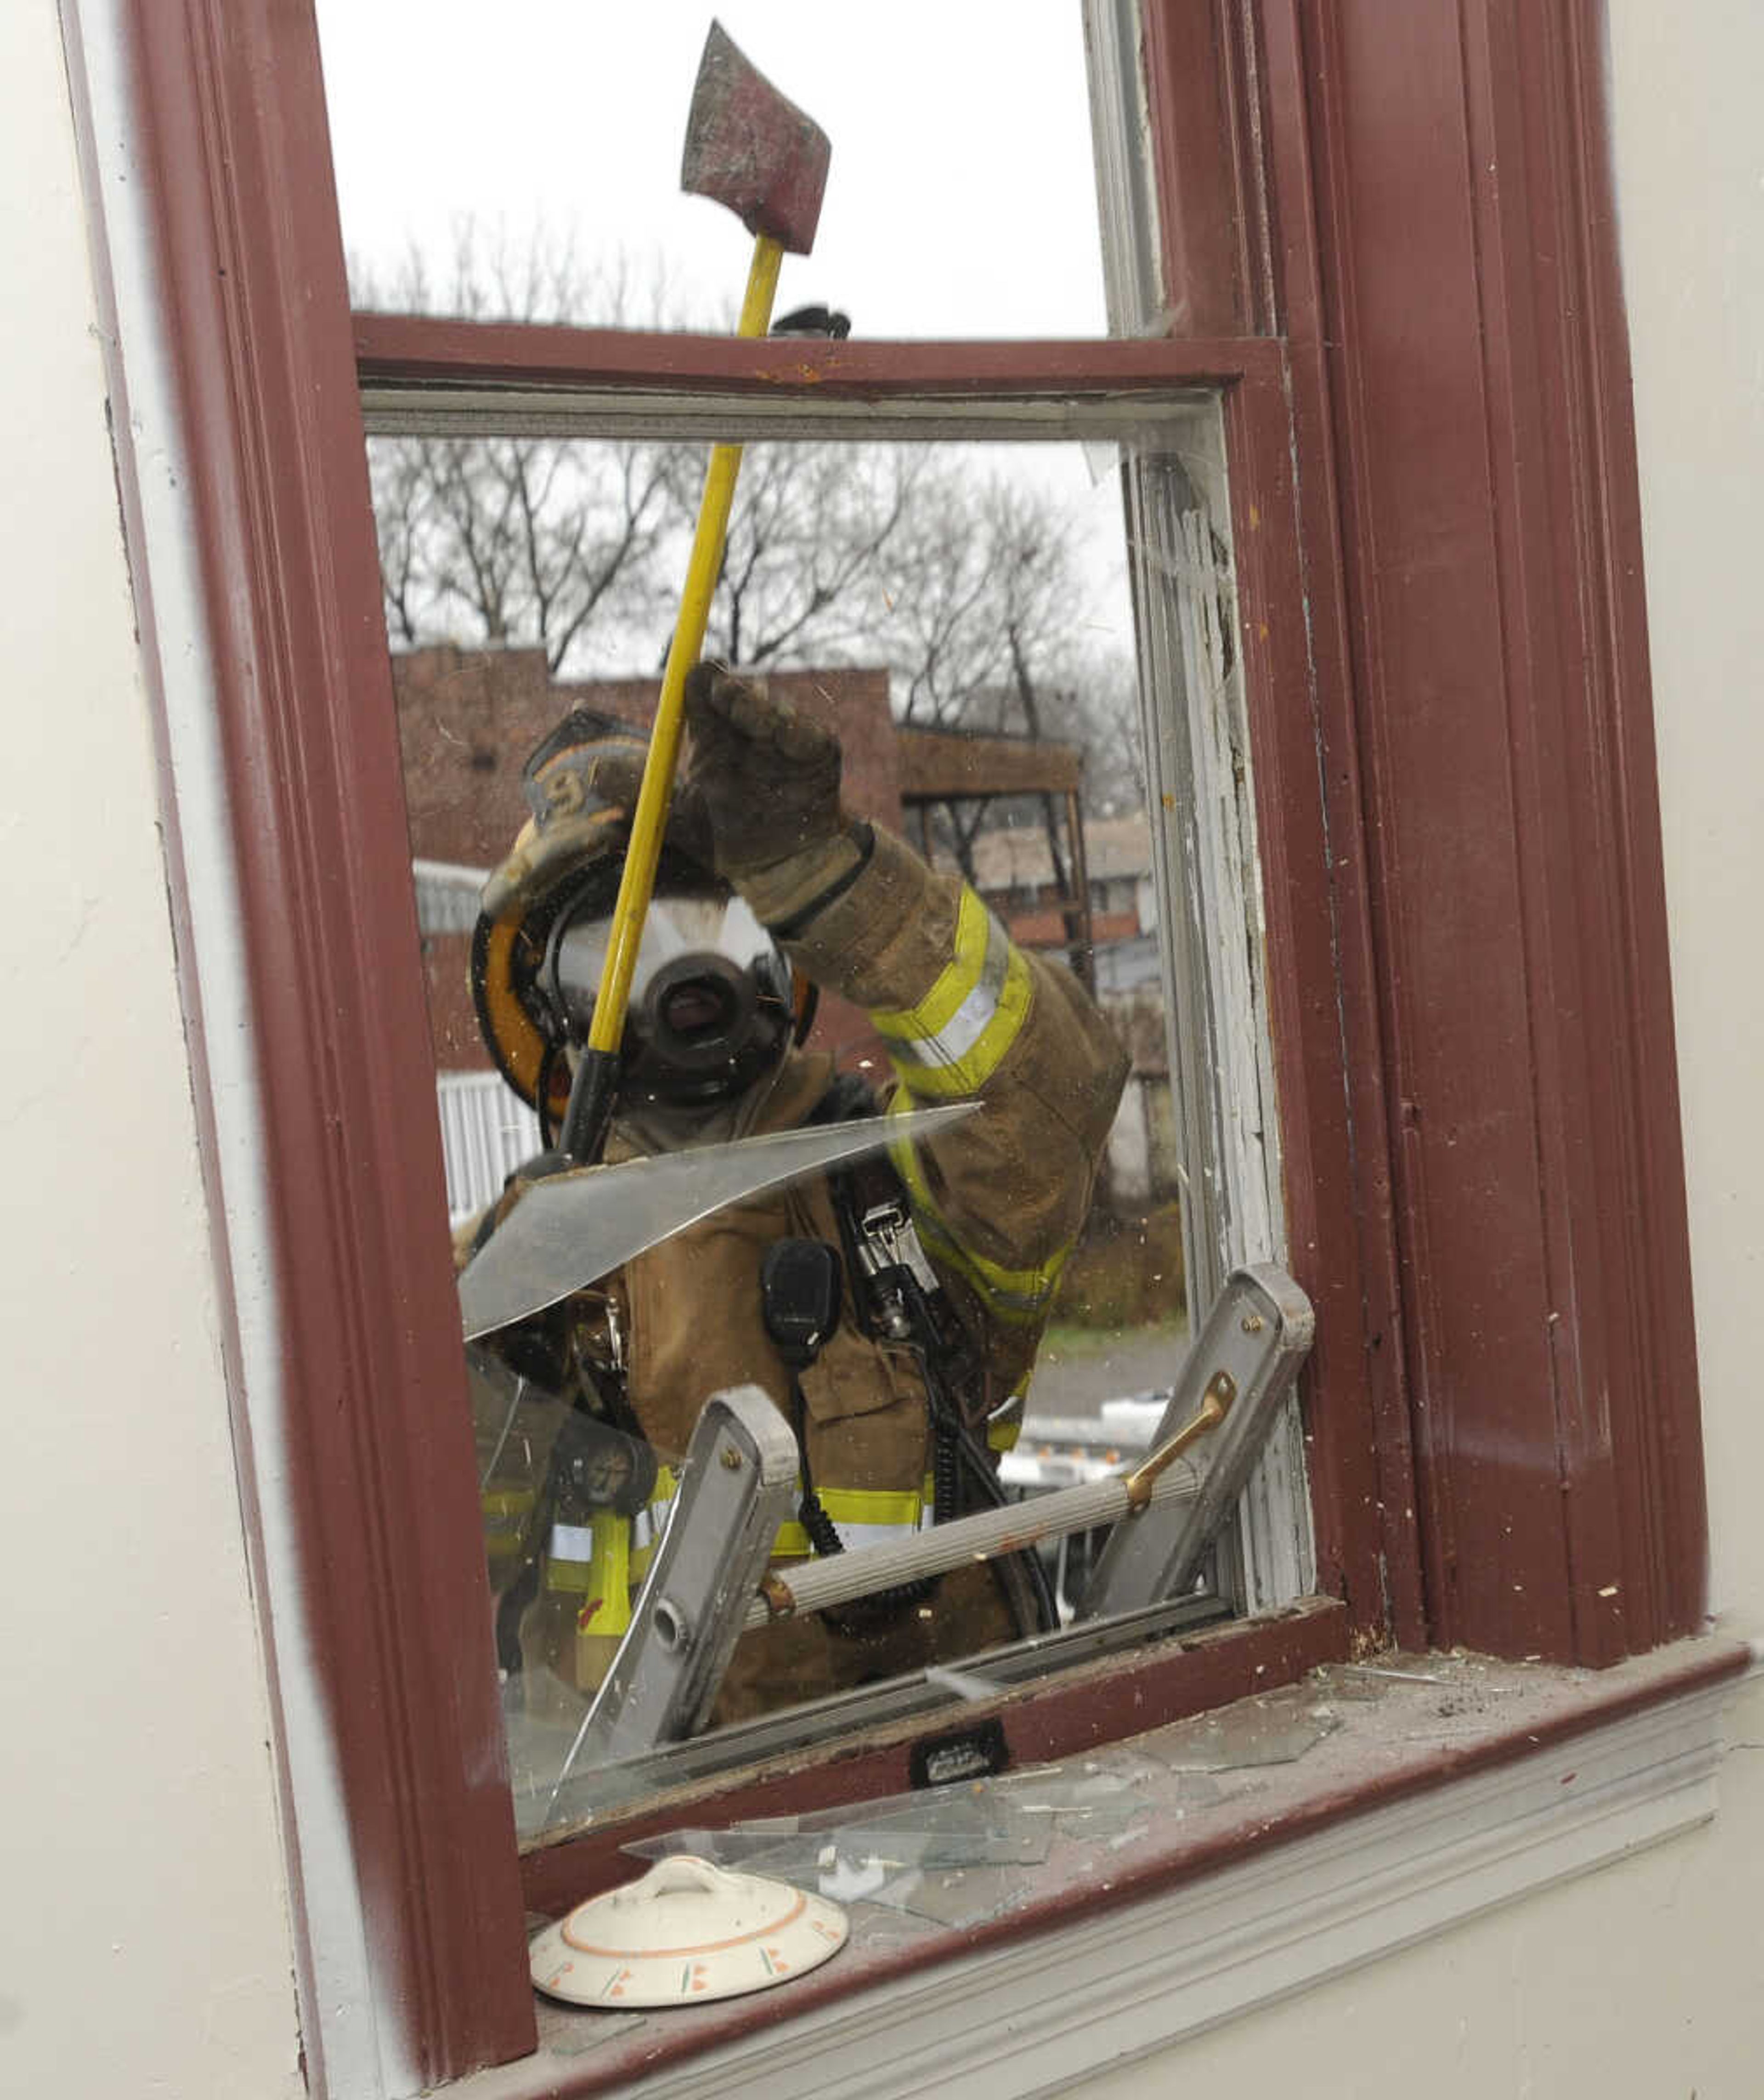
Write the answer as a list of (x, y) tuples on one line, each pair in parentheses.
[(961, 199)]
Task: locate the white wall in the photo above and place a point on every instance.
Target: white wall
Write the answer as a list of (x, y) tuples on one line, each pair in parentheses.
[(143, 1939), (1691, 201)]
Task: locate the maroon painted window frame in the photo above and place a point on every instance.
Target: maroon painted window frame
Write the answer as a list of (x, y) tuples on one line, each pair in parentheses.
[(1424, 375)]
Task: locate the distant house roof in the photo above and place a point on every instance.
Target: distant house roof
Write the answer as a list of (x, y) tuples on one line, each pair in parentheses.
[(1018, 858)]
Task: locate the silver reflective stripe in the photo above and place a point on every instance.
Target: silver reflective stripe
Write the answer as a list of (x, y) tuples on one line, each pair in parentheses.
[(854, 1535), (571, 1541), (957, 1037), (647, 1525)]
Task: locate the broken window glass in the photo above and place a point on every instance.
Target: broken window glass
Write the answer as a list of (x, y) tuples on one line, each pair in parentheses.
[(959, 617), (960, 1853)]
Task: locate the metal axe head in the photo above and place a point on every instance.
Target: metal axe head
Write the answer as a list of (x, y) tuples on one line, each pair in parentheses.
[(751, 149)]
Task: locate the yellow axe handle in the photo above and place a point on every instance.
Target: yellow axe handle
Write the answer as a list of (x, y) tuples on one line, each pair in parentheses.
[(649, 820)]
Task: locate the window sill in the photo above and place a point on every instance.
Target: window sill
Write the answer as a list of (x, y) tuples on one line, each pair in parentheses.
[(1449, 1784)]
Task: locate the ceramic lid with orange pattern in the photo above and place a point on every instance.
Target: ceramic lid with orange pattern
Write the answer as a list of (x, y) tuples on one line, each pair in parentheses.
[(686, 1933)]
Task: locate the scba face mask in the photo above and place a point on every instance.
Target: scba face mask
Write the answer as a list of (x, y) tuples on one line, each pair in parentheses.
[(711, 1011)]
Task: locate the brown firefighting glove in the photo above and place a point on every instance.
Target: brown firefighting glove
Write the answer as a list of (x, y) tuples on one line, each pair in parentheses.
[(767, 779)]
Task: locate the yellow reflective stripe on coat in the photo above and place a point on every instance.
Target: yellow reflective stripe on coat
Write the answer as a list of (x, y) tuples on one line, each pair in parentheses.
[(863, 1516), (1018, 1297), (607, 1607), (506, 1513), (592, 1561), (952, 1041)]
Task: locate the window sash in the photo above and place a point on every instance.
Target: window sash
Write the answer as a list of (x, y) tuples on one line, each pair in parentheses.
[(437, 377)]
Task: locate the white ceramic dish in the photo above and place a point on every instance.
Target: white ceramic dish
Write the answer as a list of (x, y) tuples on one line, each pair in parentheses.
[(686, 1933)]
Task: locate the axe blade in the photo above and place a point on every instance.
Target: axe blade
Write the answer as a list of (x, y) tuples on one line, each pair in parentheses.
[(751, 149)]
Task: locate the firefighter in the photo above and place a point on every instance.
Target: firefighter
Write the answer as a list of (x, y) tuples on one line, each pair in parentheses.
[(767, 886)]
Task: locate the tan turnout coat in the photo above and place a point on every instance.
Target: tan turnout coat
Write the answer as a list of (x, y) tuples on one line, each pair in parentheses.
[(998, 1201)]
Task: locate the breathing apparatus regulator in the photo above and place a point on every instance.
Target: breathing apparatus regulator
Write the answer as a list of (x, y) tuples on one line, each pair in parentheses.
[(714, 1005)]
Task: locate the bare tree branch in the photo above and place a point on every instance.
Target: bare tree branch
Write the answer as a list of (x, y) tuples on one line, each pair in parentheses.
[(965, 578)]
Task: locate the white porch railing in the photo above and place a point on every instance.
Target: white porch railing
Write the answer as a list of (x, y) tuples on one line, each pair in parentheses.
[(487, 1130)]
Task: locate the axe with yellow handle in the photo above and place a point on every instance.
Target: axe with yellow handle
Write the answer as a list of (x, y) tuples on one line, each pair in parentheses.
[(747, 148)]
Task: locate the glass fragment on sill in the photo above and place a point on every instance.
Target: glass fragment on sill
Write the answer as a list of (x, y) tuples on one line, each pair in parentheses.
[(1006, 1819), (903, 1831), (736, 1847), (959, 1855), (974, 1833), (964, 1897), (1104, 1826), (955, 1855), (1099, 1801), (1277, 1728), (1339, 1690), (895, 1869)]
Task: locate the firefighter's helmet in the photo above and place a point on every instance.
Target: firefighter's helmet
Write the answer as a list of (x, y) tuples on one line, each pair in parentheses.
[(714, 1005)]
